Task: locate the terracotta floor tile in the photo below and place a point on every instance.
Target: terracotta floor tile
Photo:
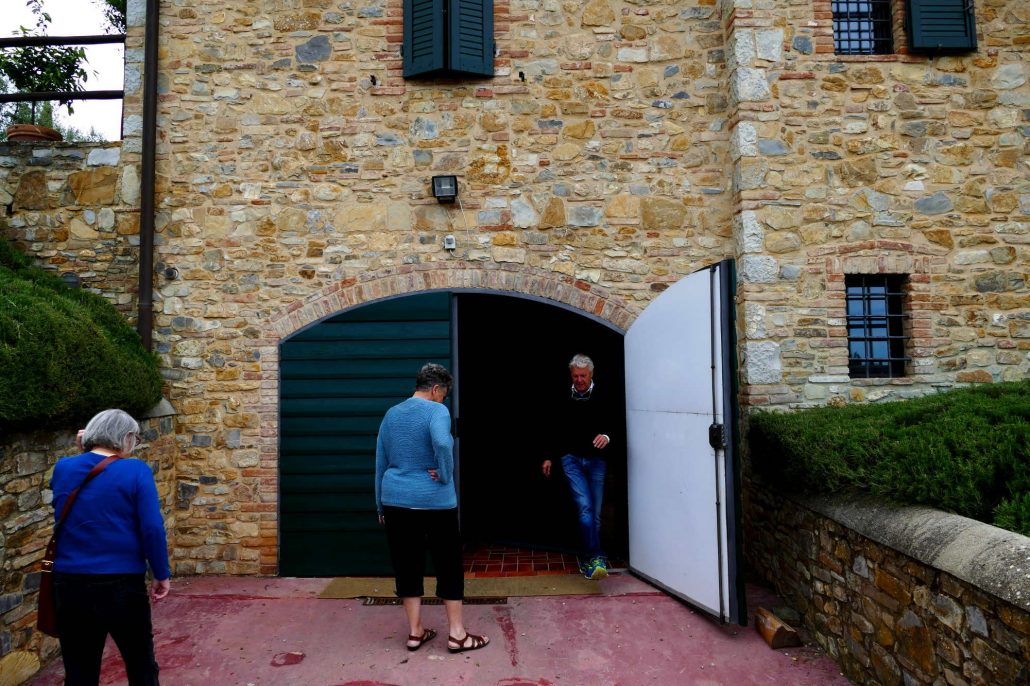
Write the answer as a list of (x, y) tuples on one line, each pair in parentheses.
[(508, 561)]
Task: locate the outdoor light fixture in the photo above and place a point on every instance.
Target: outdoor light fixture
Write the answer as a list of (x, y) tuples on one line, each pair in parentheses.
[(445, 188), (71, 279)]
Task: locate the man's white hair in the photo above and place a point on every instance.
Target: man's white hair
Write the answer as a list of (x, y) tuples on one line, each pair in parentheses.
[(582, 362)]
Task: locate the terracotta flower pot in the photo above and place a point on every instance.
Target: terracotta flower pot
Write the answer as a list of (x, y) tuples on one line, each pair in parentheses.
[(32, 132)]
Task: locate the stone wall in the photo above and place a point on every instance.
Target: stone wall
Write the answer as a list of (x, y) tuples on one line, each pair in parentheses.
[(619, 146), (26, 523), (890, 164), (74, 208), (295, 167), (898, 595)]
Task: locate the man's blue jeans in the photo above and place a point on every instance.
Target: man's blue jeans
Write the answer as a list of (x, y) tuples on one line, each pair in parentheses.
[(586, 481)]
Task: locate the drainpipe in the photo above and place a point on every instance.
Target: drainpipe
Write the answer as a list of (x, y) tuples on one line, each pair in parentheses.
[(145, 319)]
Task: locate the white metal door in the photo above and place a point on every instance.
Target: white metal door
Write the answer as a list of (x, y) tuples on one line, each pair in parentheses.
[(680, 367)]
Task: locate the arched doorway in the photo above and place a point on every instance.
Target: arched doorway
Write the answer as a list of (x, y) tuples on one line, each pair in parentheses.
[(678, 368), (513, 356), (509, 355)]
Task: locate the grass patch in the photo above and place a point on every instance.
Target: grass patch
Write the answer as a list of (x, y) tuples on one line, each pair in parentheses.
[(65, 353), (963, 451)]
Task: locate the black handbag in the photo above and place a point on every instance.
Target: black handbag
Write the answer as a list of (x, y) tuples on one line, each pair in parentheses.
[(46, 609)]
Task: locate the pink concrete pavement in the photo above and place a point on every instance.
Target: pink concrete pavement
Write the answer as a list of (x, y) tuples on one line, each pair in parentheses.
[(219, 631)]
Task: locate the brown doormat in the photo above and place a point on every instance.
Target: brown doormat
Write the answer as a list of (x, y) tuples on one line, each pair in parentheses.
[(490, 587)]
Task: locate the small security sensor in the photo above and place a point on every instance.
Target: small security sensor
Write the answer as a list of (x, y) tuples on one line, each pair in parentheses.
[(449, 243)]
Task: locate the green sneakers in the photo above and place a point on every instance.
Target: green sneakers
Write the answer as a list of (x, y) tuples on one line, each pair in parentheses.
[(596, 569)]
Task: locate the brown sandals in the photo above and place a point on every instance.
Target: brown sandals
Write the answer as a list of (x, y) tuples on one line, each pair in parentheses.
[(470, 642), (427, 635)]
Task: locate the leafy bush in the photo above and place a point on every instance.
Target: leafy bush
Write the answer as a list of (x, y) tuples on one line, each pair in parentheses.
[(964, 451), (65, 353)]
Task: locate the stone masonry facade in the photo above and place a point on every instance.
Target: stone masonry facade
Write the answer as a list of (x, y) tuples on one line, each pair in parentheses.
[(619, 147), (75, 208), (26, 523), (887, 618)]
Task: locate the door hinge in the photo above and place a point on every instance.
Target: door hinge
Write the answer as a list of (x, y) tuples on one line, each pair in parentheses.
[(717, 436)]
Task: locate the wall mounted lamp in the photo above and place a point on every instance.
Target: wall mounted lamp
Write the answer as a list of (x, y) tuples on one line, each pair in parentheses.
[(445, 188)]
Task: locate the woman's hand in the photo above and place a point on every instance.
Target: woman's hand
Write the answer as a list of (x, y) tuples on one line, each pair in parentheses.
[(433, 474), (78, 440), (159, 589)]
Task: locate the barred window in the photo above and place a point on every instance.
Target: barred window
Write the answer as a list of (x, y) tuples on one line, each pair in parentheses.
[(862, 27), (876, 325)]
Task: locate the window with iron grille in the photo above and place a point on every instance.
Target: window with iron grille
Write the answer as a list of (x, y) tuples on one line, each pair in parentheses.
[(862, 27), (876, 325)]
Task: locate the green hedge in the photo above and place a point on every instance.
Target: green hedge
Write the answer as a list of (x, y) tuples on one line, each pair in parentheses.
[(65, 353), (964, 451)]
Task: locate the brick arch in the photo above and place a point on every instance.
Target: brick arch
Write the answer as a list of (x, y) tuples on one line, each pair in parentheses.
[(579, 295), (560, 289)]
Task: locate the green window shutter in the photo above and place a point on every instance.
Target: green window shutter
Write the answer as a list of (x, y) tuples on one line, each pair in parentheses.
[(424, 36), (941, 25), (472, 37)]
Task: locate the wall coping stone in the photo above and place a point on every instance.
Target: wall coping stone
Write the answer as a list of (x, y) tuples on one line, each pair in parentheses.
[(992, 559), (162, 409)]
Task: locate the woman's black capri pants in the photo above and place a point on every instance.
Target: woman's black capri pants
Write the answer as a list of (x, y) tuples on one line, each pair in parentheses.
[(409, 534)]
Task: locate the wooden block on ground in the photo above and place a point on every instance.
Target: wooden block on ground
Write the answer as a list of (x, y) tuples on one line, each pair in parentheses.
[(776, 632)]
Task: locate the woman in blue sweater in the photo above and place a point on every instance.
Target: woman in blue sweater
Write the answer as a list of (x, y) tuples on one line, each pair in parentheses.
[(417, 502), (112, 532)]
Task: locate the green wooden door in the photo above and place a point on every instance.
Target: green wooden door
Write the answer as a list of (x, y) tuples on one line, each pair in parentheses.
[(337, 379)]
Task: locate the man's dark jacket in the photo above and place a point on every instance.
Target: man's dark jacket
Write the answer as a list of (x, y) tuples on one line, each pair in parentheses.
[(579, 421)]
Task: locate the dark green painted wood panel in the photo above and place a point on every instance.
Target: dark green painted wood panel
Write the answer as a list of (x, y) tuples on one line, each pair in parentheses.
[(341, 387), (367, 331), (369, 369), (337, 379), (328, 445), (423, 41), (940, 26), (375, 349), (360, 550), (335, 407), (341, 426), (471, 30)]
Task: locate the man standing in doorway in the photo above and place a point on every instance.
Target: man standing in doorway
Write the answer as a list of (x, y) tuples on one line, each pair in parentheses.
[(586, 422)]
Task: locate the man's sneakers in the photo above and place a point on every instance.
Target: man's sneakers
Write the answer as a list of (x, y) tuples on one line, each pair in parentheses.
[(594, 570)]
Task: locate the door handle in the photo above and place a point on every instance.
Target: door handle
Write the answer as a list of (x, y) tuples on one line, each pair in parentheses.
[(717, 436)]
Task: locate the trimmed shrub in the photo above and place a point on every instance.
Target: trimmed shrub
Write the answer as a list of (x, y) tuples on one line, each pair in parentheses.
[(965, 451), (65, 353)]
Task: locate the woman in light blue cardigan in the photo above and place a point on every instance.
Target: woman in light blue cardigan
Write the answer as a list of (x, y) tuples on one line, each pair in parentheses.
[(416, 501)]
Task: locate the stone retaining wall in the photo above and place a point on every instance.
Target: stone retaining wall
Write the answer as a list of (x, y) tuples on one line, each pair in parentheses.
[(26, 523), (898, 595), (74, 208)]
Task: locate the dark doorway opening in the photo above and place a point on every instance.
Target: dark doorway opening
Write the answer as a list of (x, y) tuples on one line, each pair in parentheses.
[(512, 362)]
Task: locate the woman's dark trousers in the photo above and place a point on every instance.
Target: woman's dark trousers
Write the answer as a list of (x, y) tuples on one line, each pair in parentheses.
[(410, 533), (91, 606)]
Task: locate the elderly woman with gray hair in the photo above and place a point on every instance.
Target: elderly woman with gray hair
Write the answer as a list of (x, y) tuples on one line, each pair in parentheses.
[(108, 538)]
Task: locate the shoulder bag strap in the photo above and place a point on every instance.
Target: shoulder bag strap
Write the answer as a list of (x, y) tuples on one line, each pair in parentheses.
[(51, 548)]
